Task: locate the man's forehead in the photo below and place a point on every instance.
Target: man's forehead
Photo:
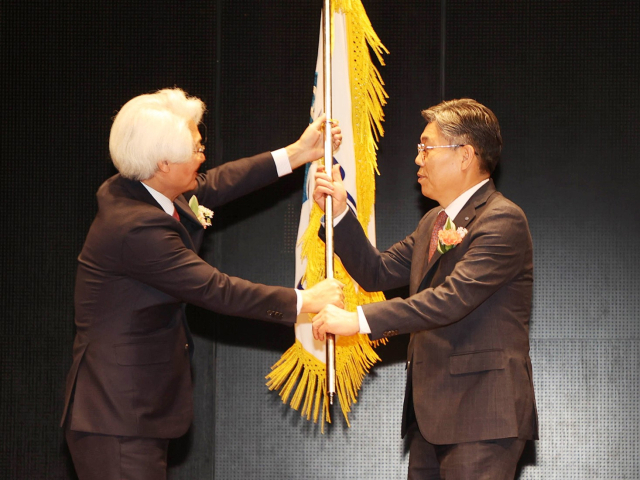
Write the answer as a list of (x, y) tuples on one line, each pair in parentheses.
[(431, 133)]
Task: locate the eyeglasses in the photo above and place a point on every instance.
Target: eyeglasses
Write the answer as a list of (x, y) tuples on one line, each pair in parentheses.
[(424, 149), (203, 136)]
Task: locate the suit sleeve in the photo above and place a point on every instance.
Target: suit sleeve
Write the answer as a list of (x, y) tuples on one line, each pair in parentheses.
[(232, 180), (154, 253), (372, 269), (495, 251)]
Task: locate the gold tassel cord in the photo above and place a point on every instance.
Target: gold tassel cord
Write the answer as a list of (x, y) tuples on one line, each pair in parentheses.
[(298, 371), (367, 96)]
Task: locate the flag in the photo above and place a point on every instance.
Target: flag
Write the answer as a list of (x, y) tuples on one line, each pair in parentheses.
[(358, 98)]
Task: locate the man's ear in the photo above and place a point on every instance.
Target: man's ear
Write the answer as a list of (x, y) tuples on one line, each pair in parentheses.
[(468, 155), (163, 166)]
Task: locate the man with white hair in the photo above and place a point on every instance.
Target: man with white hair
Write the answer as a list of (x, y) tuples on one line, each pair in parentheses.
[(129, 388)]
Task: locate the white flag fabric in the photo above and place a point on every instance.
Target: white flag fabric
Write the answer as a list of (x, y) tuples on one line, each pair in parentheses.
[(357, 100)]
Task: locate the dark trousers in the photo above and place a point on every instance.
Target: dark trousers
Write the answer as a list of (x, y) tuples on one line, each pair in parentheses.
[(110, 457), (484, 460)]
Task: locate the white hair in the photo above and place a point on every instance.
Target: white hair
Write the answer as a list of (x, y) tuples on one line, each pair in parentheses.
[(152, 128)]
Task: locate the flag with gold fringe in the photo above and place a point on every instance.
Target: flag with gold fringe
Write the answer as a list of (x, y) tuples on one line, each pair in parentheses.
[(358, 98)]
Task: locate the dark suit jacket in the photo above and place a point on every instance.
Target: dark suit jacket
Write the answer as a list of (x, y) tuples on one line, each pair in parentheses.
[(469, 374), (137, 269)]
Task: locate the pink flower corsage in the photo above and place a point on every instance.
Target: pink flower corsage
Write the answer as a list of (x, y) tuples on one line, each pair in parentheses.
[(450, 236)]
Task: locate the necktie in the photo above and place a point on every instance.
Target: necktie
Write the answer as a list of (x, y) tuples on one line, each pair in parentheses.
[(175, 214), (440, 221)]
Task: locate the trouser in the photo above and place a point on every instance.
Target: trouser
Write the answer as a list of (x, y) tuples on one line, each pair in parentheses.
[(484, 460), (111, 457)]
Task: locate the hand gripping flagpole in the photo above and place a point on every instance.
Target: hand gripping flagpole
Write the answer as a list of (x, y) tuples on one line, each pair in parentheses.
[(328, 164)]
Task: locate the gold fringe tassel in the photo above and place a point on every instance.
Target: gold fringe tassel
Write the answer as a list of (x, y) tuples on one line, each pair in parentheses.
[(298, 371)]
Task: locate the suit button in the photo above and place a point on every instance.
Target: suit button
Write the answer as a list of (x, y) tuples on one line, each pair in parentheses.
[(390, 333), (186, 346)]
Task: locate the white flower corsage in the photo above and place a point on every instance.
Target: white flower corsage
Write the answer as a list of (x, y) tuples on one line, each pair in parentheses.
[(203, 213)]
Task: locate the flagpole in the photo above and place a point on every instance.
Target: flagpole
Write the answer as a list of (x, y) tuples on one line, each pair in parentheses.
[(328, 165)]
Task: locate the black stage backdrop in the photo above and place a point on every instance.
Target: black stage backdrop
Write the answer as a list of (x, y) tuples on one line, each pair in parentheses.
[(562, 77)]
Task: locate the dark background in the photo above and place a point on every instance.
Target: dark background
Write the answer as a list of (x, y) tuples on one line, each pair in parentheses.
[(562, 77)]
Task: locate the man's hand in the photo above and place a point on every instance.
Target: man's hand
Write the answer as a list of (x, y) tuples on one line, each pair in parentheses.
[(310, 146), (325, 186), (327, 292), (335, 320)]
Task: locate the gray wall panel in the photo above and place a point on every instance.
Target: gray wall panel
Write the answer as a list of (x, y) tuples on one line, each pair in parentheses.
[(587, 393), (259, 437)]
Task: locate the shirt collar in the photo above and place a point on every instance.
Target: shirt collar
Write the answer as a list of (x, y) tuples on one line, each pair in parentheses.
[(165, 203), (454, 207)]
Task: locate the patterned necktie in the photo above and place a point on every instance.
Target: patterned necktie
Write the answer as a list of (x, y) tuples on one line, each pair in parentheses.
[(175, 213), (440, 221)]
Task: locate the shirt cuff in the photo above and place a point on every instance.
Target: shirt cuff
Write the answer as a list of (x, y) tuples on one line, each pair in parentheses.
[(298, 301), (362, 320), (336, 220), (281, 159)]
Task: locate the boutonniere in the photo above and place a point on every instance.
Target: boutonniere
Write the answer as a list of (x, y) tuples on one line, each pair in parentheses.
[(449, 236), (203, 213)]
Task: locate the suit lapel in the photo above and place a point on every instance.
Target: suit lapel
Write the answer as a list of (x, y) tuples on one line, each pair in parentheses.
[(187, 218), (466, 215), (185, 211), (468, 212), (463, 219), (139, 192)]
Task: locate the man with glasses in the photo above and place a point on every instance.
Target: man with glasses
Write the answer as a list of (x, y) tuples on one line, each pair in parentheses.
[(129, 388), (469, 404)]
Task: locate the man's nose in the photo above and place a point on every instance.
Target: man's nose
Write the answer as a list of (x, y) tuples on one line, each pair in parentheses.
[(419, 159)]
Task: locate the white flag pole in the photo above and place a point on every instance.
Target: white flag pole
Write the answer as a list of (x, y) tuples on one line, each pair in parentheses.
[(328, 165)]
